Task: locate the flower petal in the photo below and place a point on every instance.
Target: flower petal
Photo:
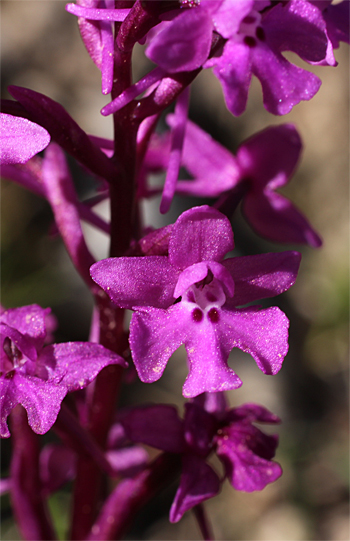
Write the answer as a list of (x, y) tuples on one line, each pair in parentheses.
[(199, 428), (8, 400), (261, 333), (177, 142), (73, 365), (262, 276), (137, 281), (158, 426), (213, 167), (270, 156), (297, 26), (200, 234), (229, 16), (284, 85), (208, 347), (41, 399), (28, 320), (20, 139), (198, 483), (128, 461), (197, 272), (233, 69), (274, 217), (242, 449), (154, 336), (184, 44), (22, 342), (252, 413), (337, 19)]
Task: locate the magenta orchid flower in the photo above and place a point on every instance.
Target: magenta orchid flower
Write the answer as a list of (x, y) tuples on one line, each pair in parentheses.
[(37, 376), (245, 451), (256, 49), (264, 163), (253, 45), (20, 139), (192, 297)]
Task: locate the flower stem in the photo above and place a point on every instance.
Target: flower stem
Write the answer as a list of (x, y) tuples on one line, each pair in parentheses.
[(131, 494), (88, 484), (203, 522), (28, 504)]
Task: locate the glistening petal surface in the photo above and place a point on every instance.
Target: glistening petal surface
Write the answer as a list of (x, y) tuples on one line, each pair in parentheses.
[(75, 364), (200, 234), (262, 276), (20, 139), (137, 281), (261, 333), (154, 336)]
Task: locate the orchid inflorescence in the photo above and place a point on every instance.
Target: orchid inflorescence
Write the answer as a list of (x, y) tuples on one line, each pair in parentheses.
[(181, 281)]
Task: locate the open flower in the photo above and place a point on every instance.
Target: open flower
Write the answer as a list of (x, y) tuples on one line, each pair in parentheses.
[(254, 37), (245, 451), (192, 297), (263, 164), (37, 376), (256, 49)]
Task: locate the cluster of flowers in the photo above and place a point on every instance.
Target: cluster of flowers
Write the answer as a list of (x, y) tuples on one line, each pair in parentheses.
[(177, 280)]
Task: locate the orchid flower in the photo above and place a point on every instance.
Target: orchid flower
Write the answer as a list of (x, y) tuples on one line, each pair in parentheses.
[(194, 297)]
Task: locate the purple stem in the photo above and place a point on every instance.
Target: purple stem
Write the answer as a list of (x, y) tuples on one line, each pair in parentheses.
[(203, 522), (92, 218), (123, 211), (80, 440), (131, 494), (29, 506), (142, 17)]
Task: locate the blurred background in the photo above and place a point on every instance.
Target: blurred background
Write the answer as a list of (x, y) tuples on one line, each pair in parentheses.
[(41, 49)]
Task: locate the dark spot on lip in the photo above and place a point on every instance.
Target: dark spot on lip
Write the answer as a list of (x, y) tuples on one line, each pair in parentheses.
[(213, 315), (250, 41), (197, 315)]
